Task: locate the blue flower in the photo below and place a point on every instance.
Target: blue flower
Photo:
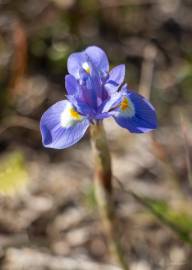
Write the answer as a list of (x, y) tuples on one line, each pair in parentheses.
[(94, 93)]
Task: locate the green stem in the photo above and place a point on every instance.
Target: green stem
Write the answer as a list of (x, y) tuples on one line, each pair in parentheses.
[(103, 191)]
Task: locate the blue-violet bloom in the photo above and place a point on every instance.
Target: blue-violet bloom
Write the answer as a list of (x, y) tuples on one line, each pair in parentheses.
[(94, 93)]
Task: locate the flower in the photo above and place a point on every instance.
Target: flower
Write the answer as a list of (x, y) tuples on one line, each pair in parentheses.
[(94, 93)]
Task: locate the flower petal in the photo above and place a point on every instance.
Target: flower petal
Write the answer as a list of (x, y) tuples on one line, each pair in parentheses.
[(88, 92), (111, 102), (82, 107), (98, 58), (75, 63), (61, 127), (71, 85), (101, 116), (139, 116), (116, 78)]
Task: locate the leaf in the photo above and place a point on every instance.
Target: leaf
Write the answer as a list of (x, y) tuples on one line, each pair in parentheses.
[(178, 221)]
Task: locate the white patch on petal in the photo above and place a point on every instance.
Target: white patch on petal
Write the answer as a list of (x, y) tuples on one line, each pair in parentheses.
[(69, 117), (86, 67)]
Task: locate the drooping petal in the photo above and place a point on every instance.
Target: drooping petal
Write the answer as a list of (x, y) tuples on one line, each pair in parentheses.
[(71, 85), (136, 114), (98, 58), (116, 78), (61, 126), (76, 62)]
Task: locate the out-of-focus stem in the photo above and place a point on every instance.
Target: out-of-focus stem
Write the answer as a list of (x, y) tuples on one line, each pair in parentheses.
[(150, 54), (103, 191), (147, 71), (186, 148), (19, 60)]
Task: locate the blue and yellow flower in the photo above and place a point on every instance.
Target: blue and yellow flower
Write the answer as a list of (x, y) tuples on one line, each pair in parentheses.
[(94, 93)]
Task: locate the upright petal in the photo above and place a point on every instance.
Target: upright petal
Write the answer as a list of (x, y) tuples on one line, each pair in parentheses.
[(90, 93), (116, 78), (90, 87), (71, 85), (61, 126), (136, 114), (98, 58), (76, 62)]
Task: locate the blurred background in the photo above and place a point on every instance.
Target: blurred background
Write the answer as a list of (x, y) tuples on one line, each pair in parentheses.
[(48, 217)]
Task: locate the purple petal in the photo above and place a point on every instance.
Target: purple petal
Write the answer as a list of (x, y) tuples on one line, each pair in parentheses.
[(75, 63), (59, 129), (71, 85), (98, 58), (117, 74), (81, 106), (116, 78), (111, 103), (90, 87), (140, 116), (100, 116)]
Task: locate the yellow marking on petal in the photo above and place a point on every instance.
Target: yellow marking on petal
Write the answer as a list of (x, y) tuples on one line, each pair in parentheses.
[(75, 115), (127, 108), (124, 104), (86, 67)]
